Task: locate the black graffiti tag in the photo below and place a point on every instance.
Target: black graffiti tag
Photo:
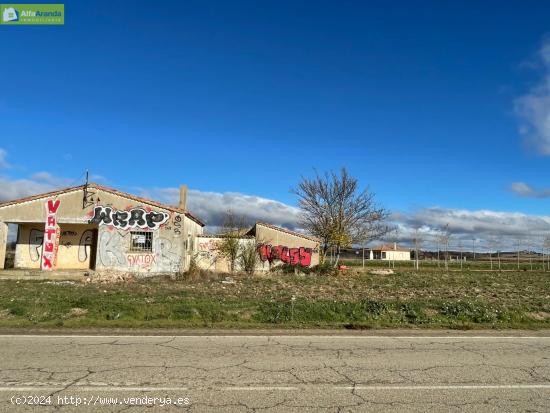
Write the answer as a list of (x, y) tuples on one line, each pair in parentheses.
[(102, 215), (153, 218), (134, 218), (177, 225), (120, 219)]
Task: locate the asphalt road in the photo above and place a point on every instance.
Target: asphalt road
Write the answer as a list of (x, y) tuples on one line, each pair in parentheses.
[(311, 373)]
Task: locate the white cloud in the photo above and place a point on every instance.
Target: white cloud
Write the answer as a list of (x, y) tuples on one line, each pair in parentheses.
[(211, 206), (37, 183), (3, 162), (527, 191), (465, 225), (19, 188), (534, 107), (49, 179)]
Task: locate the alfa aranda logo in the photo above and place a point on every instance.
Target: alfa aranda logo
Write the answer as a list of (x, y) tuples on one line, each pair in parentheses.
[(9, 14), (32, 13)]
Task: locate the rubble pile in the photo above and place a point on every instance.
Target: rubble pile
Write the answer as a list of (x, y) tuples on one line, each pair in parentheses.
[(108, 277)]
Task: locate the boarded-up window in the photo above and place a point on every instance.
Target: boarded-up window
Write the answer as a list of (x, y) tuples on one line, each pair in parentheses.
[(141, 241)]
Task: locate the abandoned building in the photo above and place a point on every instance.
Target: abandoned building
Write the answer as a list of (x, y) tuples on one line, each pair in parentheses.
[(92, 227)]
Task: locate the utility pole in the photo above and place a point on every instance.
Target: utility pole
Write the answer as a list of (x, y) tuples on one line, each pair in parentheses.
[(546, 247), (437, 252), (530, 257), (498, 254), (417, 241), (491, 253), (518, 254), (474, 247), (446, 239), (460, 247)]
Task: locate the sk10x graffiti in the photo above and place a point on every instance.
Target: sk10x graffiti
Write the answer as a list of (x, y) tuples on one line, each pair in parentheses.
[(293, 256), (134, 218)]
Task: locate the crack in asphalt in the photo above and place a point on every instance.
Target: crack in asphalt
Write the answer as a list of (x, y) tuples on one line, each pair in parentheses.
[(204, 366)]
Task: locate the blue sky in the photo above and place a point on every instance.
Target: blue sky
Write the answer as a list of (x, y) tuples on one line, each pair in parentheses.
[(431, 104)]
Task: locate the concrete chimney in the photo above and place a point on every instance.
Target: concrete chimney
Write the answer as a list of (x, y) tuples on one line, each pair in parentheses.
[(183, 197), (395, 245)]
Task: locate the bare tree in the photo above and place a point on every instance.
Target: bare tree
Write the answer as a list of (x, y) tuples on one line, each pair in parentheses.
[(529, 246), (438, 242), (417, 243), (460, 250), (491, 244), (443, 240), (518, 251), (337, 212), (498, 244), (546, 246)]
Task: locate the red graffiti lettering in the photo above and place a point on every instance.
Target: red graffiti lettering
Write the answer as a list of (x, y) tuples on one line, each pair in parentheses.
[(277, 253), (144, 260), (48, 247), (51, 241), (52, 206), (49, 232), (264, 251), (305, 256), (293, 256), (47, 263)]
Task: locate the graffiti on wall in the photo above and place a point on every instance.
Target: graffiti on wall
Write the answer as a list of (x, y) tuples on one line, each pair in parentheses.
[(177, 226), (112, 253), (111, 247), (293, 256), (208, 252), (208, 246), (85, 245), (167, 258), (36, 237), (132, 218), (144, 261), (51, 236)]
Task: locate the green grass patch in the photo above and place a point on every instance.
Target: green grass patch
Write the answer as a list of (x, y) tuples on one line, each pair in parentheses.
[(428, 298)]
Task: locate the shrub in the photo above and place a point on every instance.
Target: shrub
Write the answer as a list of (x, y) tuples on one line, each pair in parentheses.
[(468, 311), (17, 311), (410, 312), (248, 257), (324, 269), (373, 308)]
